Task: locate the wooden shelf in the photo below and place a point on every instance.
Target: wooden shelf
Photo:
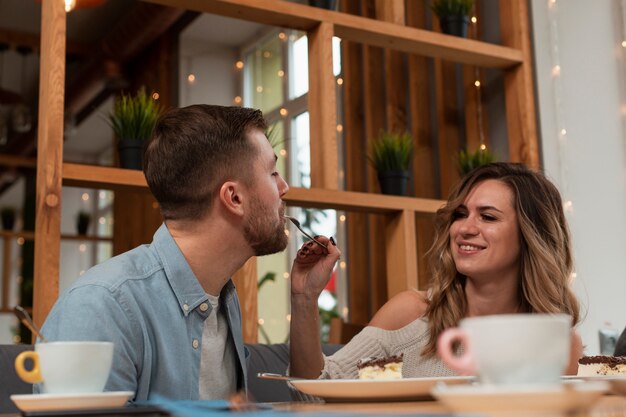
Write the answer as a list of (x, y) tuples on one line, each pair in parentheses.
[(31, 235), (359, 29), (90, 176)]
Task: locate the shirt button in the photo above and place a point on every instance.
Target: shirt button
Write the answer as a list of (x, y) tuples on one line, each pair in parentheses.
[(195, 343), (185, 307), (204, 307)]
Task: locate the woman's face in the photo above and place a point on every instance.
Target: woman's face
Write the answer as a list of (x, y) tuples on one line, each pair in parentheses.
[(484, 235)]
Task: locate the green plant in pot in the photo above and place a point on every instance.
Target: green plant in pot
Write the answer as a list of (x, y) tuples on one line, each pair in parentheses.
[(453, 15), (467, 160), (82, 222), (391, 157), (132, 120), (7, 214)]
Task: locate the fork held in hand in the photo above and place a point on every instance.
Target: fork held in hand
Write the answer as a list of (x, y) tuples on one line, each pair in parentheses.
[(297, 224)]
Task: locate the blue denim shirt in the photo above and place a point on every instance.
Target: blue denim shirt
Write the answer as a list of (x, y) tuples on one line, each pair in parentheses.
[(147, 302)]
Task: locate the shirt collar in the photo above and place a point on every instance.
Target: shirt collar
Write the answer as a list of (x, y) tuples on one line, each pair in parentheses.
[(181, 278)]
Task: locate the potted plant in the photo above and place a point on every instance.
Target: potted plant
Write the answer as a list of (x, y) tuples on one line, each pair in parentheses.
[(391, 156), (467, 161), (325, 4), (453, 15), (82, 222), (132, 120), (8, 217)]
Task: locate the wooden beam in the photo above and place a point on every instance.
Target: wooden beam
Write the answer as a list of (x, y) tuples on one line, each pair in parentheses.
[(91, 176), (49, 158), (6, 270), (358, 29), (322, 108), (355, 170), (246, 280), (401, 249), (518, 85), (15, 39)]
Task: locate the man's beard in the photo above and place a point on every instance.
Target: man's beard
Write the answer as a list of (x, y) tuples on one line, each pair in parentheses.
[(264, 235)]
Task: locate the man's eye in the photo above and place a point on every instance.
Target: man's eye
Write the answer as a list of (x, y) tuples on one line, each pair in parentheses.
[(274, 174)]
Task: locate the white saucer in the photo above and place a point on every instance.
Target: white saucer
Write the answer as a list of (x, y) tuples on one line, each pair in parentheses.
[(50, 402), (503, 400)]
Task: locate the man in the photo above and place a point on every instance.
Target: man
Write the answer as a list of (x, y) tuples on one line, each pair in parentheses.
[(170, 307)]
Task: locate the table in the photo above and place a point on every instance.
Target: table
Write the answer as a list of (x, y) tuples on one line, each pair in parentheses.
[(607, 406)]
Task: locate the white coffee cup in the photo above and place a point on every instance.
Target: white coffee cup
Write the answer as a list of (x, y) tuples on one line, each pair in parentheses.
[(68, 367), (509, 349)]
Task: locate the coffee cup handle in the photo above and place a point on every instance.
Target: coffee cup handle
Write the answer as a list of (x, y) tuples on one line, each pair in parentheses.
[(462, 364), (33, 376)]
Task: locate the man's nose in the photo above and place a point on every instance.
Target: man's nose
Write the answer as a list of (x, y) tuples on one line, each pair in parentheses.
[(283, 187)]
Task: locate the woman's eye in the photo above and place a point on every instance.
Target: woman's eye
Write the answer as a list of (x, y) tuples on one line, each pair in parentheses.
[(489, 217), (458, 214)]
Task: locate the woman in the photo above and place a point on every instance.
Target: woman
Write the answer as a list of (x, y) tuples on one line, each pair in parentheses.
[(502, 246)]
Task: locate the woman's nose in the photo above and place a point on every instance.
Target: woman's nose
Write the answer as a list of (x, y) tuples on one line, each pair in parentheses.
[(468, 226)]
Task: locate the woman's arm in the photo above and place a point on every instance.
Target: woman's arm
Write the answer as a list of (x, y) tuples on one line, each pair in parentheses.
[(576, 352)]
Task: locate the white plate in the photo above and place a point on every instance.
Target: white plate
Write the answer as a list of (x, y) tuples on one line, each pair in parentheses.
[(617, 382), (372, 390), (522, 400), (50, 402)]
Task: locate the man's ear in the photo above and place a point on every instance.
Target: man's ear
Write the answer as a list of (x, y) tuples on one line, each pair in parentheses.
[(231, 197)]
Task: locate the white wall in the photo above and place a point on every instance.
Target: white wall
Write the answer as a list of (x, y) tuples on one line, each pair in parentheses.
[(590, 165)]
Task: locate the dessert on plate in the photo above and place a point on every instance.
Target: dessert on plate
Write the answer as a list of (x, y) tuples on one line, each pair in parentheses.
[(602, 365), (380, 368)]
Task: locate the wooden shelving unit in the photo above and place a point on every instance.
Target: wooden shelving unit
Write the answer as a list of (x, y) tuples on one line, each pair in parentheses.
[(321, 25)]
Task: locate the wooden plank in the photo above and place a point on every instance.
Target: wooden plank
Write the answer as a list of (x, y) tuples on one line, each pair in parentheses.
[(449, 135), (355, 171), (375, 122), (246, 282), (419, 82), (110, 178), (17, 161), (49, 158), (7, 259), (424, 173), (91, 176), (401, 248), (518, 85), (358, 29), (322, 108), (395, 78)]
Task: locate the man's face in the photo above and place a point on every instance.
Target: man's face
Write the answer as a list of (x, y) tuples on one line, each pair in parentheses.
[(264, 224)]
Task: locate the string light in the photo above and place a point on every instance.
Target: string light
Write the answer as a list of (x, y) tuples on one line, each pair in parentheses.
[(259, 88), (281, 73), (191, 78), (339, 81), (342, 218), (155, 96), (282, 36), (261, 321), (85, 197), (239, 64), (339, 128), (479, 100), (283, 152), (237, 100), (286, 275), (283, 112), (556, 72), (474, 19)]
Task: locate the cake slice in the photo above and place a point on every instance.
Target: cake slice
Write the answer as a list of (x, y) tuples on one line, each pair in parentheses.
[(380, 368), (602, 365)]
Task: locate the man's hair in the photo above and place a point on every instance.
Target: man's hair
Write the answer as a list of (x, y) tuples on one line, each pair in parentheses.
[(545, 264), (193, 151)]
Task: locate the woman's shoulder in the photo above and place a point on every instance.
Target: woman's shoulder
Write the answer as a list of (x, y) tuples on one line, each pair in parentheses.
[(401, 310)]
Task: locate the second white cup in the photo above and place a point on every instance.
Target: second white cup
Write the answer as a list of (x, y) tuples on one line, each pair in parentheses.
[(509, 349)]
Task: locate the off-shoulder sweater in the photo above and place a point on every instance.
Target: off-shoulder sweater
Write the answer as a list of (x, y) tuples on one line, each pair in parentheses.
[(410, 340)]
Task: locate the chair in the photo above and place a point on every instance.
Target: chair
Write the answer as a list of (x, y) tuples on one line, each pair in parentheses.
[(620, 346), (274, 359), (10, 383)]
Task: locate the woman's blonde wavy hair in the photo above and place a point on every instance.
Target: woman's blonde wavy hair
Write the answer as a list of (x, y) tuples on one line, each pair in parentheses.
[(546, 262)]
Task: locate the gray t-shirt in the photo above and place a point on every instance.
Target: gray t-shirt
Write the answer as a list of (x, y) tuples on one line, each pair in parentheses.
[(218, 377)]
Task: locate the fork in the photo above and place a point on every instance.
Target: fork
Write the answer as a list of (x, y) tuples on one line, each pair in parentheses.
[(297, 224)]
